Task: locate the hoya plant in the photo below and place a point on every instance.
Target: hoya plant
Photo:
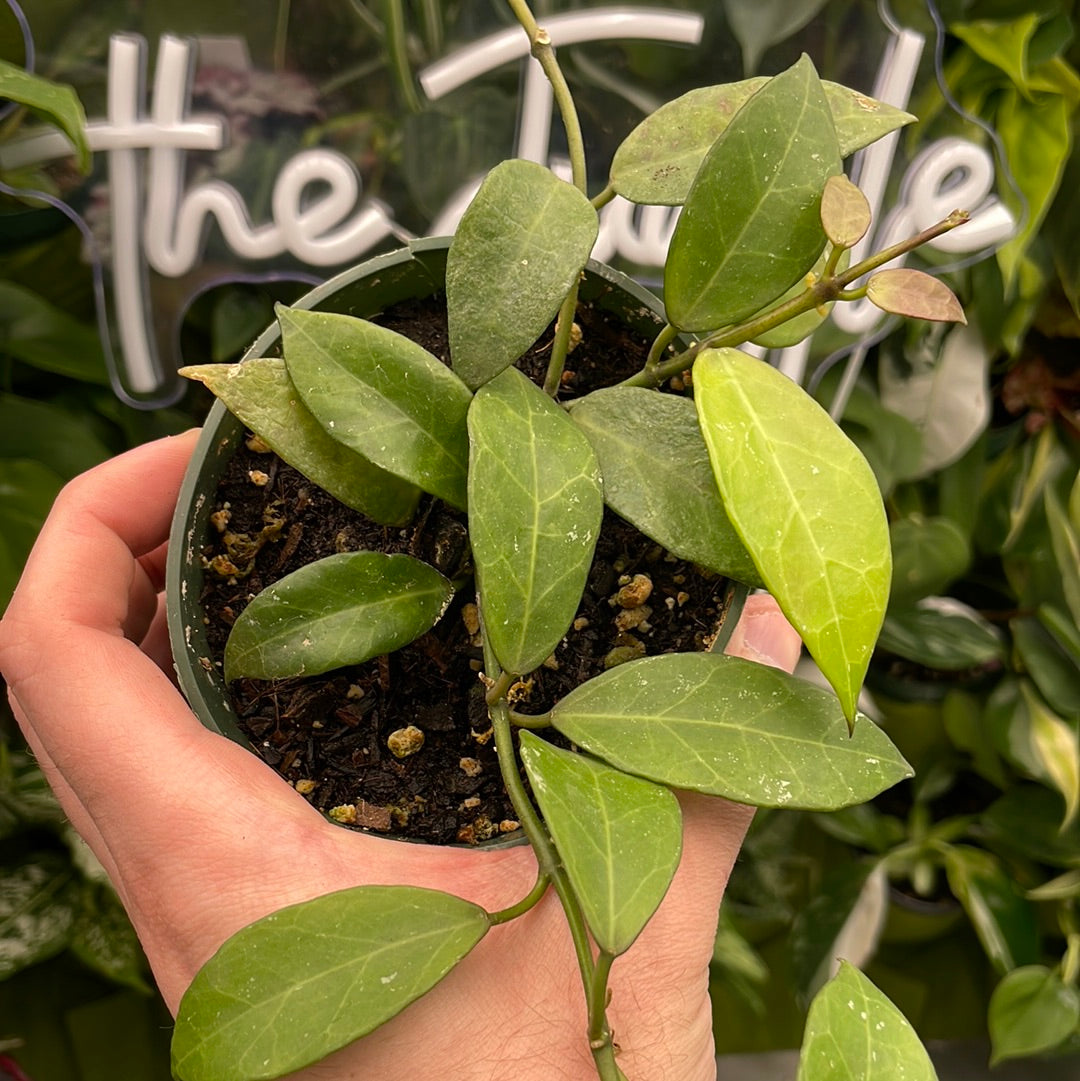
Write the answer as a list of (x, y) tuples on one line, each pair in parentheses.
[(702, 447)]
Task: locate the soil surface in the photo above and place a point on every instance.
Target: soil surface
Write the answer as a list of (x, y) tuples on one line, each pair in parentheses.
[(334, 737)]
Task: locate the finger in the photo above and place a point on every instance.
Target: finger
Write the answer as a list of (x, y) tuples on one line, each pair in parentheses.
[(763, 634)]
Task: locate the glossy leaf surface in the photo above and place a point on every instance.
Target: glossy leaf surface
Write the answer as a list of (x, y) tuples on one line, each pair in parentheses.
[(915, 295), (535, 506), (854, 1033), (619, 837), (751, 227), (1031, 1010), (1003, 919), (942, 634), (1055, 748), (344, 609), (53, 102), (928, 554), (657, 475), (335, 968), (519, 248), (729, 727), (383, 396), (262, 395), (806, 505), (659, 159)]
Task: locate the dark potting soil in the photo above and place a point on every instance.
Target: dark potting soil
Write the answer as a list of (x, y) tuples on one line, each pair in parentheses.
[(331, 736)]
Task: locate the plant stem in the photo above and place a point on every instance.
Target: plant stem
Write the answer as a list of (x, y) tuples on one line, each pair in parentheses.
[(530, 720), (564, 327), (503, 682), (603, 198), (530, 900), (823, 291), (397, 47), (659, 345)]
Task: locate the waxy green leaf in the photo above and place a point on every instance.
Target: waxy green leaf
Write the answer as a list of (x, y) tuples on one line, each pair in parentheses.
[(915, 295), (619, 837), (535, 507), (383, 396), (657, 475), (802, 326), (659, 159), (854, 1033), (751, 225), (845, 213), (519, 248), (729, 727), (1002, 917), (334, 968), (764, 23), (344, 609), (806, 505), (1031, 1010), (55, 103), (928, 554), (260, 392)]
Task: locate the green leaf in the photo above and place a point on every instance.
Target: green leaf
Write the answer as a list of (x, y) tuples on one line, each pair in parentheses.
[(64, 440), (942, 634), (1054, 672), (928, 554), (845, 213), (1031, 1010), (1028, 819), (751, 224), (1055, 748), (37, 910), (104, 940), (383, 396), (28, 489), (334, 968), (659, 159), (619, 837), (1065, 539), (53, 102), (1003, 919), (519, 248), (1003, 44), (854, 1033), (946, 397), (915, 295), (260, 392), (344, 609), (805, 504), (764, 23), (657, 475), (729, 727), (802, 326), (47, 338), (535, 507)]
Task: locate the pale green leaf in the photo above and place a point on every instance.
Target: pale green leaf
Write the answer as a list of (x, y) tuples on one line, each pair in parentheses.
[(383, 396), (1002, 43), (1065, 538), (764, 23), (657, 475), (854, 1033), (659, 159), (535, 507), (287, 990), (260, 393), (519, 248), (915, 295), (343, 609), (946, 397), (806, 505), (729, 727), (845, 213), (54, 102), (751, 224), (619, 837), (1055, 748), (1003, 919), (1031, 1010)]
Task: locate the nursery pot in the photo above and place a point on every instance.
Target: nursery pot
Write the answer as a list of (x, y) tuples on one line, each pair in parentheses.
[(415, 272)]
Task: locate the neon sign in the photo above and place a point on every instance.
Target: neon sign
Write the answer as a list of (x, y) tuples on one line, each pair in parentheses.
[(321, 218)]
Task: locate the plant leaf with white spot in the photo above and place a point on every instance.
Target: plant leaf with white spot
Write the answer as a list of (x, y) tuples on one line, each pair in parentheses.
[(729, 727), (619, 837), (344, 609)]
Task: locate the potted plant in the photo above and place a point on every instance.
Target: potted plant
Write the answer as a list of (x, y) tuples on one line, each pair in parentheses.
[(488, 468)]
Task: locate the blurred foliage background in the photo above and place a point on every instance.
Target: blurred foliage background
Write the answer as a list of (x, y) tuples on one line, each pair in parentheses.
[(959, 892)]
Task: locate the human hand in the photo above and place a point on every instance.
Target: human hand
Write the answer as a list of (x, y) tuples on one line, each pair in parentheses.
[(201, 838)]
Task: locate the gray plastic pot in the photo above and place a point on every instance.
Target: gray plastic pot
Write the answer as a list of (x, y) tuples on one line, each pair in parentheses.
[(414, 272)]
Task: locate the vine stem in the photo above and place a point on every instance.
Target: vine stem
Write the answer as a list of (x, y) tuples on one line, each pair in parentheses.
[(544, 52), (824, 291)]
